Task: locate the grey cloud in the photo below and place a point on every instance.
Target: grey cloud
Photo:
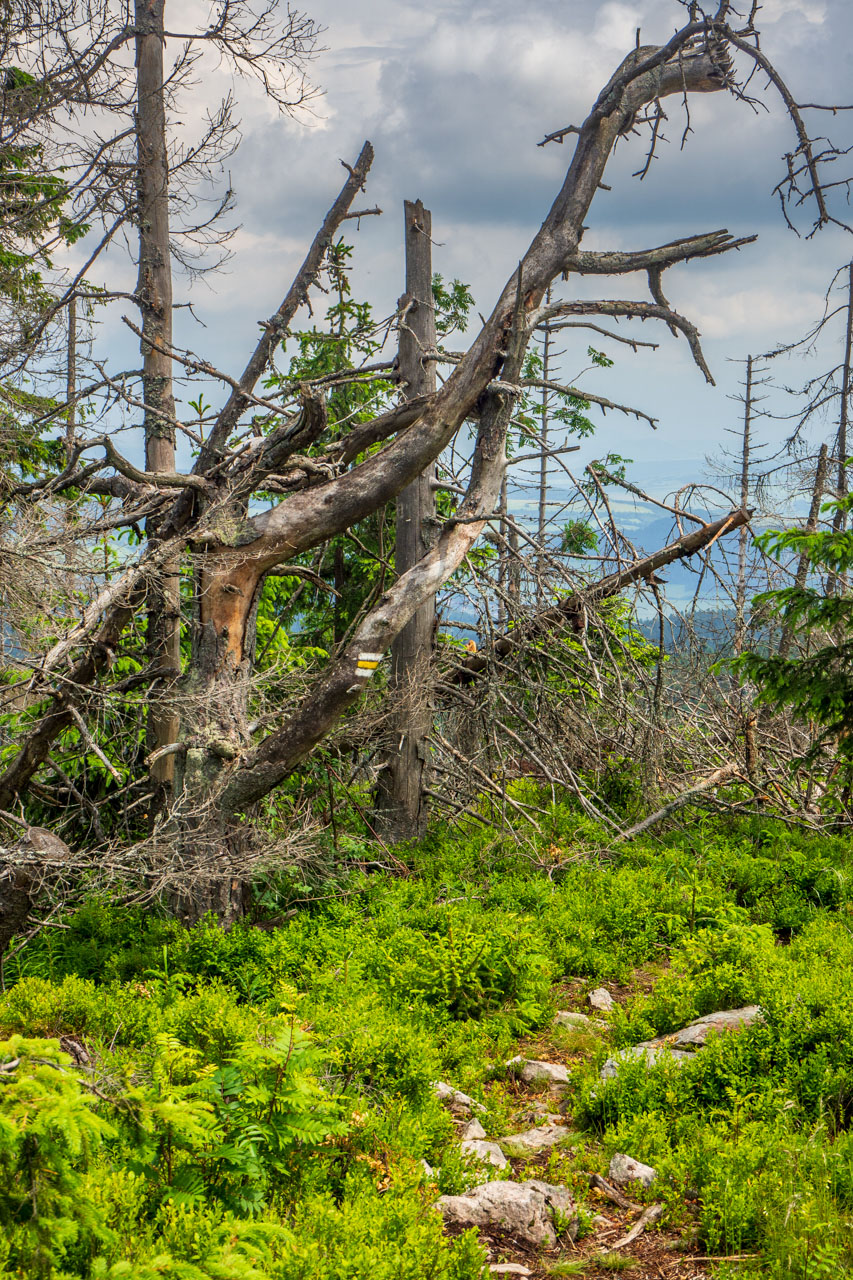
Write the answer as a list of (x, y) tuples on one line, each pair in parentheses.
[(453, 101)]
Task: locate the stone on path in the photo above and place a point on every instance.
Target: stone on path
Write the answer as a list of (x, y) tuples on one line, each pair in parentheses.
[(523, 1209), (532, 1072), (601, 999), (626, 1169), (695, 1034), (533, 1140), (681, 1046), (457, 1101), (650, 1050), (486, 1152), (473, 1131), (578, 1021), (509, 1269)]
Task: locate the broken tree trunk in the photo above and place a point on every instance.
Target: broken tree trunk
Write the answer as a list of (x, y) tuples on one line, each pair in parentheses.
[(154, 293), (715, 779), (572, 609), (837, 583), (787, 637), (401, 809)]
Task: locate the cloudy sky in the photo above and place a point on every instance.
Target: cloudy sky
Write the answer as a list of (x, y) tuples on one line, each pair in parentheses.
[(455, 96)]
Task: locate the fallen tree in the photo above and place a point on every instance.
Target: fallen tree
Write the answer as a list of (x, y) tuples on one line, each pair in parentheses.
[(572, 609), (279, 443)]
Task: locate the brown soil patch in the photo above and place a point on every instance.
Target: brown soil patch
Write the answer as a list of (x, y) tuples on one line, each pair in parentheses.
[(660, 1255)]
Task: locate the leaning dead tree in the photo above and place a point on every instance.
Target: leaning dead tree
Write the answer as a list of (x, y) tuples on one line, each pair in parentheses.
[(276, 445)]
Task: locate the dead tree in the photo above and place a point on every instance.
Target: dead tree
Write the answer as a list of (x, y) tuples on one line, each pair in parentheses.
[(743, 542), (401, 808), (325, 485), (154, 291), (838, 583), (787, 637)]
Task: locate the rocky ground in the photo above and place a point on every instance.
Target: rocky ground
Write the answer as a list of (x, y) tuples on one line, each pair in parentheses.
[(536, 1228)]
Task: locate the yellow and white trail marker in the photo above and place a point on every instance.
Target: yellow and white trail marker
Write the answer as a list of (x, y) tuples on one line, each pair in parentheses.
[(367, 664)]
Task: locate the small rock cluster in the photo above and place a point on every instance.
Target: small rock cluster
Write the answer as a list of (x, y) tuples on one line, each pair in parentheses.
[(523, 1209), (528, 1209)]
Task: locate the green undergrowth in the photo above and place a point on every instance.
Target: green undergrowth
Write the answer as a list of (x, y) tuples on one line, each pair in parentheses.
[(258, 1103)]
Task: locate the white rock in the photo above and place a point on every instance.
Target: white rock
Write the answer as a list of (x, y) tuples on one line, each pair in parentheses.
[(696, 1033), (650, 1050), (601, 999), (578, 1021), (533, 1140), (486, 1152), (532, 1072), (472, 1131), (427, 1168), (681, 1045), (524, 1209), (625, 1169), (455, 1099), (509, 1269)]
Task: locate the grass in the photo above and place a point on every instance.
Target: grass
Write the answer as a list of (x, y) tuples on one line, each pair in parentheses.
[(392, 983), (612, 1263)]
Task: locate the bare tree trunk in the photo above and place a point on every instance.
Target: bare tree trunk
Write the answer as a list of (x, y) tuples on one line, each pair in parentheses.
[(71, 380), (838, 583), (503, 555), (154, 292), (514, 570), (400, 800), (743, 544), (543, 459), (811, 525)]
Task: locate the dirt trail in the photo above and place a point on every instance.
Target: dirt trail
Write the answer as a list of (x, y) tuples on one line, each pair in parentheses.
[(656, 1254)]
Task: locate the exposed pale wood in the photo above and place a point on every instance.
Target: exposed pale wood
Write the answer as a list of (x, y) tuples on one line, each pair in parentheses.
[(613, 1193), (649, 1216), (574, 606), (723, 774)]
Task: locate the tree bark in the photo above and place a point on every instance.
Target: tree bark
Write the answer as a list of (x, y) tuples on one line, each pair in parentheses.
[(544, 421), (401, 806), (743, 542), (787, 637), (71, 381), (154, 293), (838, 582)]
